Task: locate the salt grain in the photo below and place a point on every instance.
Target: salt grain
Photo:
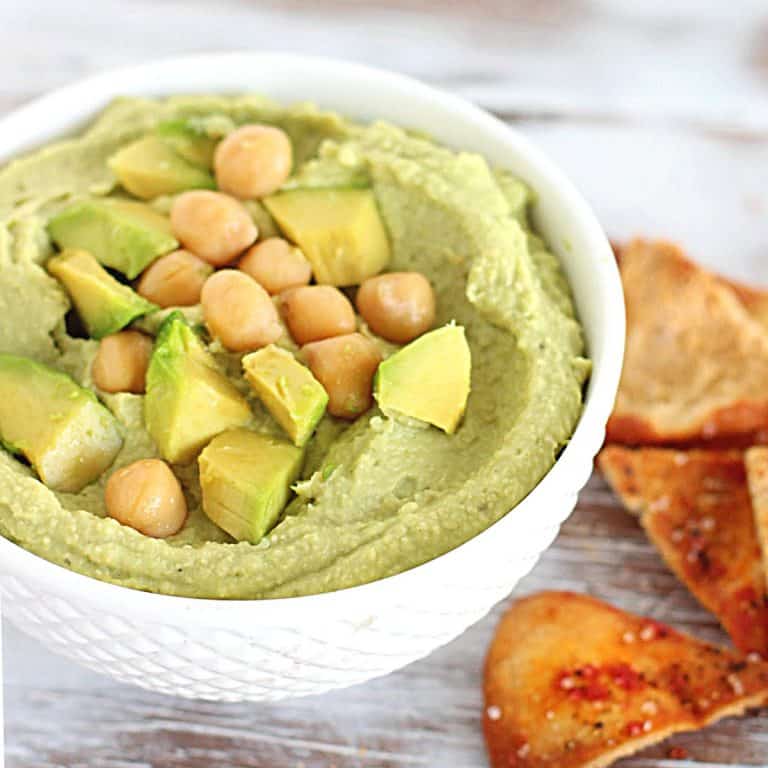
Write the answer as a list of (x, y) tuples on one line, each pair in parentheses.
[(493, 712), (628, 638), (649, 708), (736, 685), (524, 750)]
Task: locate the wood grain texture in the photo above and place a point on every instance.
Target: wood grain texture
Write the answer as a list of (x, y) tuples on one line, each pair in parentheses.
[(656, 110)]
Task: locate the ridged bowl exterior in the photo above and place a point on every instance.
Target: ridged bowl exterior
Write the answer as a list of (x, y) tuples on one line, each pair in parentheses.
[(271, 650)]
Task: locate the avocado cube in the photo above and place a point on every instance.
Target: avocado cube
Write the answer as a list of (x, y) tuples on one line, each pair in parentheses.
[(294, 397), (428, 380), (340, 231), (150, 167), (64, 432), (121, 234), (104, 304), (189, 139), (188, 400), (246, 481)]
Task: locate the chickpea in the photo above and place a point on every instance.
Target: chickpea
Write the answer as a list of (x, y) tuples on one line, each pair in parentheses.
[(276, 265), (253, 161), (345, 366), (398, 306), (147, 496), (213, 226), (121, 362), (314, 312), (239, 312), (174, 280)]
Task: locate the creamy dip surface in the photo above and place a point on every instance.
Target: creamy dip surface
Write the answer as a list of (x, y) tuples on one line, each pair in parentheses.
[(377, 496)]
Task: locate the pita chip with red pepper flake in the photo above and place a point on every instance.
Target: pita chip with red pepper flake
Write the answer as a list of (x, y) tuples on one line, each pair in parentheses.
[(696, 357), (571, 682), (695, 507), (756, 462)]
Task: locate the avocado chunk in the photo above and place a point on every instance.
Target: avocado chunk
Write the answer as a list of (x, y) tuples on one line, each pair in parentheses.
[(188, 400), (246, 481), (340, 231), (104, 304), (191, 139), (67, 435), (294, 397), (121, 234), (428, 379), (150, 167)]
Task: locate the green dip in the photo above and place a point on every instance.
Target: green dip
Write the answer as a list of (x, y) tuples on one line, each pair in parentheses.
[(378, 496)]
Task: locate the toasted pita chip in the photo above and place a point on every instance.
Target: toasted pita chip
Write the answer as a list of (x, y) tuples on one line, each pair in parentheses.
[(696, 509), (756, 462), (571, 682), (696, 359)]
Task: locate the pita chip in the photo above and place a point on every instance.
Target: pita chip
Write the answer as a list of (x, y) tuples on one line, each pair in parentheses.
[(756, 461), (696, 358), (571, 682), (695, 507)]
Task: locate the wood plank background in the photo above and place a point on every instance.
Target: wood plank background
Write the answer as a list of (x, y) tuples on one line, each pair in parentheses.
[(659, 112)]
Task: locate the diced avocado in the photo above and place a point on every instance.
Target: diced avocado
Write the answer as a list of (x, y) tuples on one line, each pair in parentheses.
[(190, 140), (188, 399), (150, 167), (121, 234), (246, 481), (428, 379), (67, 435), (339, 230), (104, 304), (294, 397)]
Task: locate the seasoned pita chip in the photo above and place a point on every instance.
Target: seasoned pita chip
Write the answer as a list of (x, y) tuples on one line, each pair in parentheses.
[(696, 509), (696, 358), (756, 461), (571, 682)]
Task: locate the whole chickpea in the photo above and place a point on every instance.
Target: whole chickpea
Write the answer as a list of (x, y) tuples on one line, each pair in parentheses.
[(174, 280), (276, 265), (121, 362), (345, 366), (398, 306), (146, 496), (215, 227), (314, 312), (253, 161), (239, 312)]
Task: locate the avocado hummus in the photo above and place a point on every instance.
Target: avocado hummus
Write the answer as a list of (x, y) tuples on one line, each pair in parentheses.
[(375, 496)]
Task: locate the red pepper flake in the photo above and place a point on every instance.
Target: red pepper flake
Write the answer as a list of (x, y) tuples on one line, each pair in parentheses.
[(634, 728), (626, 677), (591, 692), (677, 753), (582, 684)]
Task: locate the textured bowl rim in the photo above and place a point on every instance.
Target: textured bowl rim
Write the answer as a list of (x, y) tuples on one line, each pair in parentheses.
[(175, 75)]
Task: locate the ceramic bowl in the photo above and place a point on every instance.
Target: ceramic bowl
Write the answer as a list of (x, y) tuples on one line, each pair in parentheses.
[(269, 650)]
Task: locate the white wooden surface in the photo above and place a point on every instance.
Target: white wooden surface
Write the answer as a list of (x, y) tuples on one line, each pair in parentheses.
[(659, 112)]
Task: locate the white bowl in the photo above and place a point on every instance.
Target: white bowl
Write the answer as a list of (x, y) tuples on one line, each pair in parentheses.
[(275, 649)]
